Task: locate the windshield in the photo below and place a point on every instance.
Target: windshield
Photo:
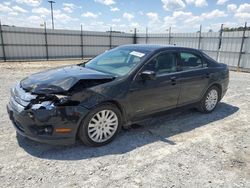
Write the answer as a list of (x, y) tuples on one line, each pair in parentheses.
[(117, 61)]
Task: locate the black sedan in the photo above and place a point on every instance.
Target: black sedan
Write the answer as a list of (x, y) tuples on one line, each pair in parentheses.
[(127, 84)]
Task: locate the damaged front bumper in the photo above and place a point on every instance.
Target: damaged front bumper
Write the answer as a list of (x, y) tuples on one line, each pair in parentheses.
[(50, 124)]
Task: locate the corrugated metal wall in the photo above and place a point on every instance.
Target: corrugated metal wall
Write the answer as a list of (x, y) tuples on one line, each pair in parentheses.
[(20, 43), (1, 49), (228, 52), (31, 43), (245, 59), (210, 43)]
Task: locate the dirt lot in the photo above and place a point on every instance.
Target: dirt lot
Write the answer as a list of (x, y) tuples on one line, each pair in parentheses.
[(184, 149)]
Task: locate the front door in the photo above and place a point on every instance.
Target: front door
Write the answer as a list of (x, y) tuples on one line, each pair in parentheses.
[(148, 96)]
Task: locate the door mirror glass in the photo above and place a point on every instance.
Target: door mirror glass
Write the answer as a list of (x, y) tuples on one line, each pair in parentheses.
[(148, 75)]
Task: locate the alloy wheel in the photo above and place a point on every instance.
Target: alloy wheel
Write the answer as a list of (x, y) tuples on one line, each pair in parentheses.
[(211, 100), (102, 126)]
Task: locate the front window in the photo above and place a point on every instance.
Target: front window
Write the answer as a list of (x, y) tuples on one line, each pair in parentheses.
[(117, 61), (163, 63)]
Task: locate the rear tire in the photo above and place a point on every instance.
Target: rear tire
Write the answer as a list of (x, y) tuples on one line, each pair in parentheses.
[(101, 125), (209, 100)]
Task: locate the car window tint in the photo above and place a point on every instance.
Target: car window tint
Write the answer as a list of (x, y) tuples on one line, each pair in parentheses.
[(164, 63), (190, 61)]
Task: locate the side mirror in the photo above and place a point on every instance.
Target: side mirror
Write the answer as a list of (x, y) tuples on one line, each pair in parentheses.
[(148, 75)]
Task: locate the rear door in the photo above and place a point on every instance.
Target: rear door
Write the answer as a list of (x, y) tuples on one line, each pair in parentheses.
[(194, 76)]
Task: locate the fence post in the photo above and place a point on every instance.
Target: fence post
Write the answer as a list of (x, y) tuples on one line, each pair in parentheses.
[(81, 42), (3, 48), (135, 37), (199, 44), (219, 44), (169, 35), (241, 46), (110, 38), (46, 41), (146, 35)]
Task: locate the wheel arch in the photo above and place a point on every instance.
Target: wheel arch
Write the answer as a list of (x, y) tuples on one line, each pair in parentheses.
[(117, 104), (200, 104), (119, 107), (216, 84), (113, 103)]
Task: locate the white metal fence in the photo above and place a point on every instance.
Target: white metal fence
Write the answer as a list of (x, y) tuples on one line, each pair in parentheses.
[(18, 43)]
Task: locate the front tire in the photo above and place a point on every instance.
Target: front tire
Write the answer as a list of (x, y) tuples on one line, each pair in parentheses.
[(101, 125), (209, 100)]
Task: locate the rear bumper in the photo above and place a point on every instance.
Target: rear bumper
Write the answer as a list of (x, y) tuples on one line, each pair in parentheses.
[(42, 124)]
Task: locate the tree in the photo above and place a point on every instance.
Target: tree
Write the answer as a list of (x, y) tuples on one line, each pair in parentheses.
[(227, 29)]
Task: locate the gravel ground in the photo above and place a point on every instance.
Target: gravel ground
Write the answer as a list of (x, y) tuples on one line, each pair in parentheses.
[(184, 149)]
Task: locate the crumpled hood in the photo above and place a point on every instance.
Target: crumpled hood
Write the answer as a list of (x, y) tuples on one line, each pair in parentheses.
[(60, 80)]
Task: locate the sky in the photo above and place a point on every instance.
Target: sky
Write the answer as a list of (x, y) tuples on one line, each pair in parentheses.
[(125, 15)]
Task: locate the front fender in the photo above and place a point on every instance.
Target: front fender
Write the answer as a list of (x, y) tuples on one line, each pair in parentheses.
[(93, 100)]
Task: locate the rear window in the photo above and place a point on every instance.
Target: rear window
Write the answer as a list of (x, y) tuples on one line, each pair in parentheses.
[(208, 59), (190, 61)]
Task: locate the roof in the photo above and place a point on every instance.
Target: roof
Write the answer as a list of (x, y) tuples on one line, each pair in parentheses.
[(151, 47)]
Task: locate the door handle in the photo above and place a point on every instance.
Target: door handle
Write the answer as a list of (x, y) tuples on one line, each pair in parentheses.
[(173, 80)]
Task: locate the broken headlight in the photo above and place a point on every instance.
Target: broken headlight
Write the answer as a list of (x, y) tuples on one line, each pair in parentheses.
[(43, 105), (49, 102)]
